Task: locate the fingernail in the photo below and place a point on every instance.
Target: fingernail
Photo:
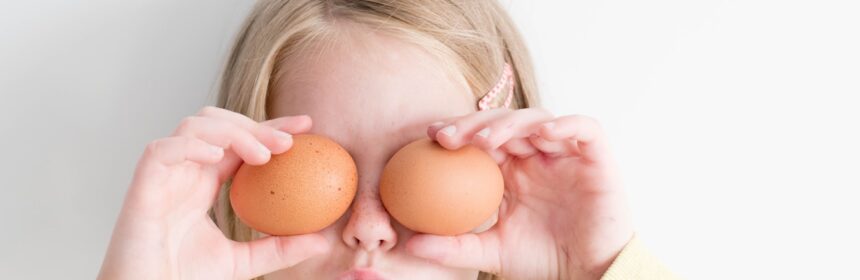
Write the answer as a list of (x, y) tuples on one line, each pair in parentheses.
[(262, 149), (283, 136), (549, 125), (484, 132), (431, 252), (449, 130), (216, 151)]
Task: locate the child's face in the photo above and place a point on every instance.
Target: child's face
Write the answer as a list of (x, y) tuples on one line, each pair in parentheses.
[(373, 94)]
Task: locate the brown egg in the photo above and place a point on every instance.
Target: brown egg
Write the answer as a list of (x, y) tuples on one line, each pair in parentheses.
[(430, 189), (300, 191)]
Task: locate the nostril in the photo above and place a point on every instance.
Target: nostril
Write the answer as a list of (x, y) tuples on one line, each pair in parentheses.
[(387, 244), (370, 244), (368, 227)]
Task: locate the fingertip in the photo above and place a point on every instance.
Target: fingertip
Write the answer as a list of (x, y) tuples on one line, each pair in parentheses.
[(264, 157), (258, 162), (447, 138), (433, 129), (215, 154), (284, 145), (291, 124), (448, 131), (258, 157), (306, 121), (445, 142), (422, 246)]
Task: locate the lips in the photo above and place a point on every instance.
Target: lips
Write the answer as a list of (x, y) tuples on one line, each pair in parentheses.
[(360, 274)]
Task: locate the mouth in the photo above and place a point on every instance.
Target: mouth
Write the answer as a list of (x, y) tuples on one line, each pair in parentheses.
[(360, 274)]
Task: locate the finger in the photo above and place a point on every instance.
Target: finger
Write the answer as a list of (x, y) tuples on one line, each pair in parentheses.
[(519, 124), (273, 253), (475, 251), (498, 155), (277, 141), (459, 132), (586, 131), (434, 128), (178, 149), (226, 135), (519, 147), (291, 124), (227, 115), (558, 148)]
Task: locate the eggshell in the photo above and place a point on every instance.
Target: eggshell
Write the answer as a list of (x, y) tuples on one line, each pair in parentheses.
[(300, 191), (430, 189)]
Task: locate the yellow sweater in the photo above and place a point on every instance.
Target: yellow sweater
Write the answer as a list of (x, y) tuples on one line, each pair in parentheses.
[(635, 263)]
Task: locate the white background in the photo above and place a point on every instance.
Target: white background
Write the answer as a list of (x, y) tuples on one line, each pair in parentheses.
[(735, 121)]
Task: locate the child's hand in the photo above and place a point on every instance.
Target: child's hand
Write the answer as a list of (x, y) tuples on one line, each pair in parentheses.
[(563, 215), (164, 231)]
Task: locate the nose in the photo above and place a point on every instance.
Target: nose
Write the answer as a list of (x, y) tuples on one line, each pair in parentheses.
[(369, 226)]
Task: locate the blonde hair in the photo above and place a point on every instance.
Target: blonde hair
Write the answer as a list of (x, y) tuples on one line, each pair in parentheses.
[(475, 37)]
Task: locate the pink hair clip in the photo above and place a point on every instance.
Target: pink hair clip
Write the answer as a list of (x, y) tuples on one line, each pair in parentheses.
[(492, 99)]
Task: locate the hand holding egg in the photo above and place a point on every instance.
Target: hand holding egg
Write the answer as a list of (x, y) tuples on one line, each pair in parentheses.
[(563, 213), (164, 230)]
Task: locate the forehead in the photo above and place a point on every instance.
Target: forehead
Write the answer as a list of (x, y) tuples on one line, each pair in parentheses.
[(369, 87)]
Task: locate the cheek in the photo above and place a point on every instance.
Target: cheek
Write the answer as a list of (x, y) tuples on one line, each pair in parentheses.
[(333, 232), (403, 234)]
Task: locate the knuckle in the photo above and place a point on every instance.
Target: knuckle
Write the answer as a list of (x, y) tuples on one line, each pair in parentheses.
[(208, 111), (258, 127), (153, 148), (188, 123), (586, 120)]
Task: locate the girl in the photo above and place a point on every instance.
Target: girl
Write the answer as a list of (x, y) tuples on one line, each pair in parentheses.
[(374, 76)]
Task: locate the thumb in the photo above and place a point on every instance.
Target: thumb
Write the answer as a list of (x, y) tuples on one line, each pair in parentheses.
[(273, 253), (475, 251)]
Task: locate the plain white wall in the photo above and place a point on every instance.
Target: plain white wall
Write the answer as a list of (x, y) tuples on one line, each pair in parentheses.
[(735, 121)]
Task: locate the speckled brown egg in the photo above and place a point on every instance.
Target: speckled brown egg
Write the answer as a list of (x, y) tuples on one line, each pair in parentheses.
[(299, 191), (430, 189)]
